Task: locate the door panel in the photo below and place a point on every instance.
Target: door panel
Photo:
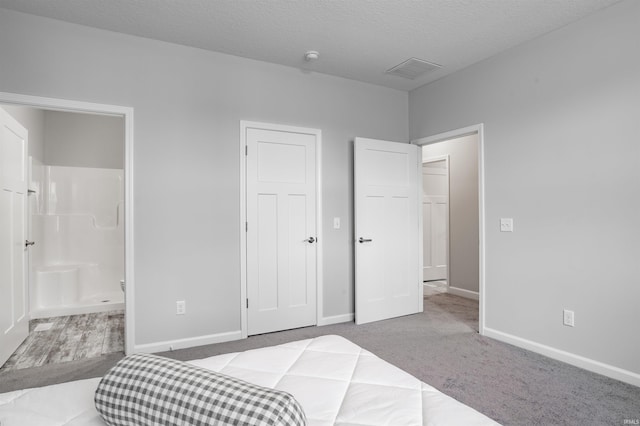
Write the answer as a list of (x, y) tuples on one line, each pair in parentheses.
[(297, 258), (386, 213), (14, 321), (371, 256), (19, 258), (267, 240), (6, 260), (281, 262)]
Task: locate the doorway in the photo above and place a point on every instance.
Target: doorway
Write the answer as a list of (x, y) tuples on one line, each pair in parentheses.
[(75, 236), (465, 248), (121, 213)]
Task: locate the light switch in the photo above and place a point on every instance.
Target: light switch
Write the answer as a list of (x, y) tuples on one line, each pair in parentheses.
[(506, 224), (336, 223)]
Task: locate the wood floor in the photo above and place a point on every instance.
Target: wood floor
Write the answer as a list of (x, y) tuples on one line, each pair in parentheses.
[(69, 338)]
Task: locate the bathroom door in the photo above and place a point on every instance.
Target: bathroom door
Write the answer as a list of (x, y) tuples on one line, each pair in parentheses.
[(281, 227), (14, 320), (387, 229)]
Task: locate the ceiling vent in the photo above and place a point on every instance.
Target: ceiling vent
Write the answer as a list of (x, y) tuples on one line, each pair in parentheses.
[(413, 68)]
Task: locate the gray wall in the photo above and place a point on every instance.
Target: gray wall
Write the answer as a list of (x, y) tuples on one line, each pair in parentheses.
[(463, 208), (59, 138), (188, 104), (562, 158), (83, 140), (33, 120)]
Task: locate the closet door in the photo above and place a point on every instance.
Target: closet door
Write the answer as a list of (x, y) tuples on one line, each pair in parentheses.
[(281, 229)]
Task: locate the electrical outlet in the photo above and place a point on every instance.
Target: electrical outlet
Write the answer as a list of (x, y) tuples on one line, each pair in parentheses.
[(506, 224), (181, 307), (568, 318)]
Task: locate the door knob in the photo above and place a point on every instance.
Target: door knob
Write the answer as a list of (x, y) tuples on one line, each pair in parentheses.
[(28, 243), (364, 240), (310, 240)]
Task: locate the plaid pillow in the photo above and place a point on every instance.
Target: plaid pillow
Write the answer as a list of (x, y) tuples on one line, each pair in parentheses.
[(146, 389)]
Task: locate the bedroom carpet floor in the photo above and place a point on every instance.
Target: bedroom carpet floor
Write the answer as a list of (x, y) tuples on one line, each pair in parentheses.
[(69, 338), (442, 347)]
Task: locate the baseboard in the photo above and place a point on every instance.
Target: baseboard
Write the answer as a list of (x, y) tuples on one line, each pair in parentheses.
[(464, 293), (336, 319), (75, 310), (190, 342), (560, 355)]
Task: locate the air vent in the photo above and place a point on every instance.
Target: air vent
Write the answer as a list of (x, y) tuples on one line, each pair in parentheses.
[(413, 68)]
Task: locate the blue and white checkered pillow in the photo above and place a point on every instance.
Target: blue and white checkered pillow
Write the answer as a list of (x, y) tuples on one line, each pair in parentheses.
[(146, 389)]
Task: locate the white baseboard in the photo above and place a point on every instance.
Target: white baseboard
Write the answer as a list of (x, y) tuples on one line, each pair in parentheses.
[(573, 359), (336, 319), (188, 342), (464, 293)]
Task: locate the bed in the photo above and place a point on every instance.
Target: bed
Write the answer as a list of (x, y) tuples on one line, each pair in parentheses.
[(334, 380)]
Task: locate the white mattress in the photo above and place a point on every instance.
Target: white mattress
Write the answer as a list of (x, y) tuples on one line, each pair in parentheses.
[(335, 381)]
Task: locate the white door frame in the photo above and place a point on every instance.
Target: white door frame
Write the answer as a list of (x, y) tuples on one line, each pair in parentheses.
[(453, 134), (432, 160), (127, 113), (244, 125)]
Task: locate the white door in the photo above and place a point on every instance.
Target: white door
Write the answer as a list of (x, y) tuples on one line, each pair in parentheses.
[(435, 218), (387, 229), (281, 230), (14, 321)]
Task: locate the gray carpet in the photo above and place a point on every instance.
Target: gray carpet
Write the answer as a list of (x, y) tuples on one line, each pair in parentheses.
[(442, 348)]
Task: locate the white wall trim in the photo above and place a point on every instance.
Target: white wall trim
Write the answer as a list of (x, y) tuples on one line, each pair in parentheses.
[(420, 232), (336, 319), (169, 345), (244, 125), (243, 232), (454, 134), (568, 357), (468, 294), (56, 104)]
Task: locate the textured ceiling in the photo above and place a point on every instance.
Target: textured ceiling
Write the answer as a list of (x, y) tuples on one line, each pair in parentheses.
[(357, 39)]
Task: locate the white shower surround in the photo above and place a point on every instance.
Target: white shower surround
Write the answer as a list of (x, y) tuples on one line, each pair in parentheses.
[(77, 266)]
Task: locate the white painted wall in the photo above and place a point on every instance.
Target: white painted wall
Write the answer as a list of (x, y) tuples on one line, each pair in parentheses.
[(188, 104), (464, 230), (562, 158), (83, 140), (33, 120)]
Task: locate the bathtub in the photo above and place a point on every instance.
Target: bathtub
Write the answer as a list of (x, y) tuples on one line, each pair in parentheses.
[(67, 289)]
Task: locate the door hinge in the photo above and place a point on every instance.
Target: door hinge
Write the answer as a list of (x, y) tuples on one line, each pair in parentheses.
[(246, 150), (246, 227), (247, 303)]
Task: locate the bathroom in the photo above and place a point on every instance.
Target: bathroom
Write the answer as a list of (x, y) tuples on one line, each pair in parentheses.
[(76, 225)]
